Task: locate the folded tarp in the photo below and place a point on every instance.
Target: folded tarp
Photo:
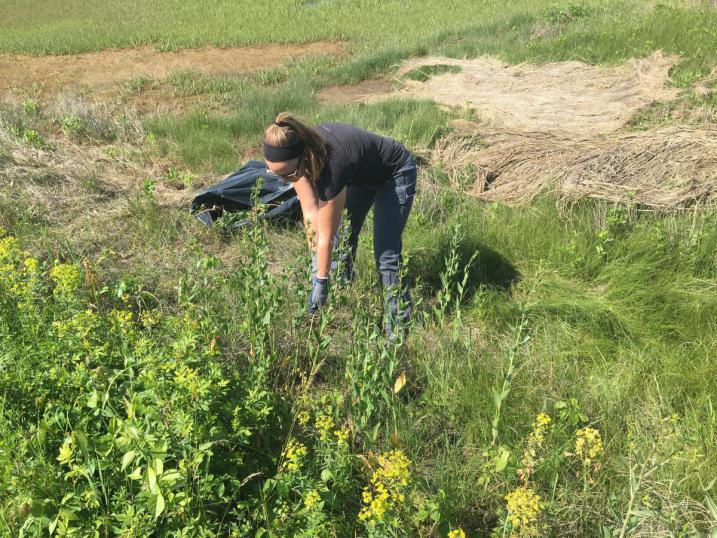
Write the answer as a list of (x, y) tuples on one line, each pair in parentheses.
[(234, 194)]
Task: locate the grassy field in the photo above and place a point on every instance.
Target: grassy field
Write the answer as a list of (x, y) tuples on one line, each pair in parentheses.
[(160, 379)]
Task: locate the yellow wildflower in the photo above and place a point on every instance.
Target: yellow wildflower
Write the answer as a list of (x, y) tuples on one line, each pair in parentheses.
[(9, 248), (30, 265), (457, 533), (293, 456), (389, 482), (323, 425), (534, 442), (540, 426), (187, 378), (122, 320), (66, 278), (342, 437), (588, 445), (303, 418), (312, 499), (65, 455), (150, 318), (524, 507)]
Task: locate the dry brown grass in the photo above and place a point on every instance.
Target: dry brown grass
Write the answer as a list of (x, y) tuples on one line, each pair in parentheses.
[(668, 167)]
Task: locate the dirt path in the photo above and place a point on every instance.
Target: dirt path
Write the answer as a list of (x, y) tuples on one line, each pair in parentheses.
[(103, 68)]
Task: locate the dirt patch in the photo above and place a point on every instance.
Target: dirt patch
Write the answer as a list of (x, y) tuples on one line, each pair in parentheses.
[(667, 167), (356, 93), (161, 99), (570, 98), (100, 69)]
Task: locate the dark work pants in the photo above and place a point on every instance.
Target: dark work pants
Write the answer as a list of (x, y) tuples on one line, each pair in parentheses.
[(391, 203)]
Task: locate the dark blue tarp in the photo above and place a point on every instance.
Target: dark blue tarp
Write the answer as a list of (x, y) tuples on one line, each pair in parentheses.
[(234, 194)]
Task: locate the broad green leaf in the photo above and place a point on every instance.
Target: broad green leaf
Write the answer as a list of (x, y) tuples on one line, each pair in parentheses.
[(502, 460), (327, 475), (158, 466), (170, 477), (53, 524), (159, 506), (136, 474), (152, 480), (127, 459)]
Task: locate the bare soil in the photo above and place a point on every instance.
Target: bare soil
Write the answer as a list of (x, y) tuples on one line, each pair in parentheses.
[(104, 68), (357, 93)]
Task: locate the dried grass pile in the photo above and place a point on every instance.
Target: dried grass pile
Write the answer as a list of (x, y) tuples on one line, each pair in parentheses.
[(667, 167)]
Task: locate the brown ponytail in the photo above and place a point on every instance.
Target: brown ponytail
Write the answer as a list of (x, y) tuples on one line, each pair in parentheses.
[(290, 130)]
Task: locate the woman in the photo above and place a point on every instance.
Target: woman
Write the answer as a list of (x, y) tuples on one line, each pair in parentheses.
[(336, 166)]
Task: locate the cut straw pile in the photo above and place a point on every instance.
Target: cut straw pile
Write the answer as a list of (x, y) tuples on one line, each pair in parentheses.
[(667, 167)]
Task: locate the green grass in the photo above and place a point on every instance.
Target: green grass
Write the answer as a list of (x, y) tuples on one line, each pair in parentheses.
[(210, 142)]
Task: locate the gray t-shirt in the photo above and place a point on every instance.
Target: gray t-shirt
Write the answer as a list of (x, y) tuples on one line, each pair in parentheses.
[(356, 157)]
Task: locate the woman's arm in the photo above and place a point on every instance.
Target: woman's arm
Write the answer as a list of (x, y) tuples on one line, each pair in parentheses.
[(321, 220), (309, 208), (329, 218)]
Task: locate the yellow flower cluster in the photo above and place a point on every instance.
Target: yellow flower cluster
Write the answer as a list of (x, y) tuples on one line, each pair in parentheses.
[(323, 425), (80, 325), (523, 510), (386, 492), (588, 445), (11, 271), (303, 418), (540, 426), (9, 247), (342, 437), (312, 499), (66, 278), (122, 320), (457, 533), (26, 280), (293, 456), (19, 272), (535, 440), (150, 318)]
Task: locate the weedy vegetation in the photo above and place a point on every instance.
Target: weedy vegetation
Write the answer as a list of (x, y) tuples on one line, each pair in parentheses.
[(161, 379)]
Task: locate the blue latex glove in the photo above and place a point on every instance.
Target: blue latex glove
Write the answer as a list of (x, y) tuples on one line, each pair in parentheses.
[(319, 294)]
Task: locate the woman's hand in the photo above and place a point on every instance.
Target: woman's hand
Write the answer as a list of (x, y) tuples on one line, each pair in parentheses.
[(319, 294)]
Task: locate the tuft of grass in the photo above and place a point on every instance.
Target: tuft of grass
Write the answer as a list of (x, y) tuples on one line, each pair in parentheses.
[(85, 121), (139, 83), (422, 74), (693, 106)]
